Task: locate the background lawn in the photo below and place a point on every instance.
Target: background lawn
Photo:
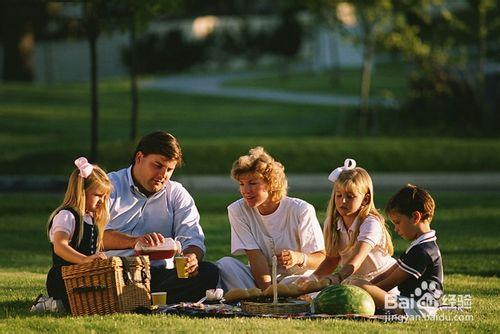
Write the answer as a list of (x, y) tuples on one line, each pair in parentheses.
[(45, 128), (389, 80), (466, 224)]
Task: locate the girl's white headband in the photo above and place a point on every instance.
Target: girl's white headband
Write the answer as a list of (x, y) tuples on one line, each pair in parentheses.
[(348, 165), (83, 165)]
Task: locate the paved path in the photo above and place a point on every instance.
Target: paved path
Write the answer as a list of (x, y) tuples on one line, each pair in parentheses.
[(212, 85), (297, 182)]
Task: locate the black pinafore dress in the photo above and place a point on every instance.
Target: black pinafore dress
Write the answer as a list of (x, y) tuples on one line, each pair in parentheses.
[(87, 246)]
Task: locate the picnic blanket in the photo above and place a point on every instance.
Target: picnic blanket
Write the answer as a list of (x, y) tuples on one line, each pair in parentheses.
[(221, 310)]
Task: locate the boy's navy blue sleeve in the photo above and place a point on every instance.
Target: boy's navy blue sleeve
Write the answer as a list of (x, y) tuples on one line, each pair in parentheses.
[(415, 261)]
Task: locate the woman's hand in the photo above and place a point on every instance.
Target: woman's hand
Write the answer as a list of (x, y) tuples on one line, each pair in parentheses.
[(289, 258)]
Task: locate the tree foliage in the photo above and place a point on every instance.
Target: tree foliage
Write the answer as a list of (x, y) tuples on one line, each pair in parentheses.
[(449, 43)]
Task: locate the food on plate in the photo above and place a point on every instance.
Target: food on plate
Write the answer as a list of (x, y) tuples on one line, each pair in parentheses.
[(294, 290), (254, 293), (236, 294), (282, 290)]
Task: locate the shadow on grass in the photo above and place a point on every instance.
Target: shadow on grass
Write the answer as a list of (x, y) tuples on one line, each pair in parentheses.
[(16, 308), (21, 309)]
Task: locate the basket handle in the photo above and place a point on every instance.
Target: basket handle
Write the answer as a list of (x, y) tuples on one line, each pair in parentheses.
[(89, 288), (145, 276), (127, 276)]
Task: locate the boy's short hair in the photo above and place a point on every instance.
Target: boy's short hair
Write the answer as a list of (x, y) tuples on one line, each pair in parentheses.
[(412, 198), (162, 143)]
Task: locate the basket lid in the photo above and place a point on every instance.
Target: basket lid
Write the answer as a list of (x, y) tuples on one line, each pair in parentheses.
[(103, 265)]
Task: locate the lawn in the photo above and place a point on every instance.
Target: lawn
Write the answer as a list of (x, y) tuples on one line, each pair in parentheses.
[(389, 80), (467, 226), (44, 128)]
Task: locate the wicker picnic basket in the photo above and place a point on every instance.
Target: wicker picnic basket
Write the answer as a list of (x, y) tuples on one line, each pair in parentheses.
[(114, 285), (290, 307)]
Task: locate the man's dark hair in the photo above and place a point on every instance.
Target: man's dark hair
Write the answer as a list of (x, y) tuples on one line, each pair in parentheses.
[(162, 143), (412, 198)]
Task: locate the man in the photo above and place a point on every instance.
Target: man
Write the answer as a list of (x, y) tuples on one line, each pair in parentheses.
[(146, 207)]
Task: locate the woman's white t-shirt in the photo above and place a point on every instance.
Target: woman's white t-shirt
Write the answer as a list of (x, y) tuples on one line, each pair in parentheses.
[(293, 226)]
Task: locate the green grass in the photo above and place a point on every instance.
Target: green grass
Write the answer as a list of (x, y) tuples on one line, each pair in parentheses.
[(389, 80), (467, 226), (44, 128)]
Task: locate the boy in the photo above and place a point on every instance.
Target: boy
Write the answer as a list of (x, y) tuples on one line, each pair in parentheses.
[(418, 273)]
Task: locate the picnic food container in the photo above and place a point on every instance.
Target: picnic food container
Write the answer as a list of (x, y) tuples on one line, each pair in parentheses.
[(166, 250), (114, 285)]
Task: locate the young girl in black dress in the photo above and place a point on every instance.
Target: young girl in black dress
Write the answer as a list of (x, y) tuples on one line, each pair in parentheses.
[(76, 227)]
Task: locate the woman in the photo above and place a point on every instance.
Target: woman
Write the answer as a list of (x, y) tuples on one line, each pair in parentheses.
[(264, 222)]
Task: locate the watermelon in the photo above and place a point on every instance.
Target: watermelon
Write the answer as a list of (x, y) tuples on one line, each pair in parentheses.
[(344, 299)]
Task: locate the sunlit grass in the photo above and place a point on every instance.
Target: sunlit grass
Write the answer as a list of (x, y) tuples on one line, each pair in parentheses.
[(466, 225)]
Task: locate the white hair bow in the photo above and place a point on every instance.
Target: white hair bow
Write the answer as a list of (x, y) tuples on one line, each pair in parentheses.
[(83, 165), (348, 165)]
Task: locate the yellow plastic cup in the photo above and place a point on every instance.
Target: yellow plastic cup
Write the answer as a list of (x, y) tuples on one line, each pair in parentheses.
[(158, 298), (180, 265)]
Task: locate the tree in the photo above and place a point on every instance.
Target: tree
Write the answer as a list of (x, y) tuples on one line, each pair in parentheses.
[(365, 22), (450, 48), (92, 19), (21, 23), (102, 15), (287, 38), (134, 16)]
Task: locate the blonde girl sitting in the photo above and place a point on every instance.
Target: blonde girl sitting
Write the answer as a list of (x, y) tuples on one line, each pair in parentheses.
[(76, 227), (357, 242)]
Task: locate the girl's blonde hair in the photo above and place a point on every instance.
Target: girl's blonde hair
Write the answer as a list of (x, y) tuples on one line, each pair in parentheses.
[(75, 199), (258, 162), (355, 180)]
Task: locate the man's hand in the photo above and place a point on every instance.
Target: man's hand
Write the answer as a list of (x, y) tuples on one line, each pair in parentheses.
[(192, 264), (151, 239)]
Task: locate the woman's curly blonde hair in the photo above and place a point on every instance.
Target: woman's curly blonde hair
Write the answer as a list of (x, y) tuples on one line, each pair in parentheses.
[(258, 162)]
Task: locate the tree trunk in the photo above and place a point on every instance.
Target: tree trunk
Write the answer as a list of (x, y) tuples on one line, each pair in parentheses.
[(482, 39), (18, 42), (366, 76), (92, 33), (133, 82)]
